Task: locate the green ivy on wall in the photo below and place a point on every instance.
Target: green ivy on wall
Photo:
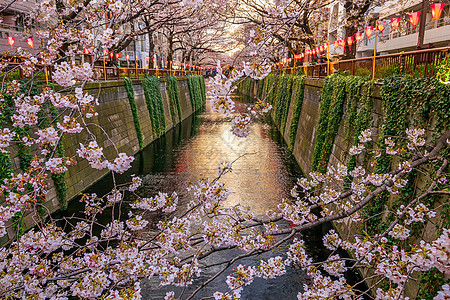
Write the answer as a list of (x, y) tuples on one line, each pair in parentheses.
[(299, 88), (280, 95), (191, 89), (195, 83), (5, 159), (410, 102), (248, 87), (133, 106), (354, 97), (153, 100), (261, 88), (244, 88), (203, 89), (174, 97), (270, 88), (285, 102), (331, 112), (363, 119)]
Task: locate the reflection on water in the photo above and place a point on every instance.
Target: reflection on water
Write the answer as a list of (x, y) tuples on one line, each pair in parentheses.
[(263, 175), (259, 178)]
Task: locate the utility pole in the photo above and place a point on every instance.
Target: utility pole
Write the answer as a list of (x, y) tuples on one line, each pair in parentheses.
[(422, 22)]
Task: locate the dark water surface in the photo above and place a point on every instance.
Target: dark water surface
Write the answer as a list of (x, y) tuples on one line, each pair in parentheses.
[(260, 179)]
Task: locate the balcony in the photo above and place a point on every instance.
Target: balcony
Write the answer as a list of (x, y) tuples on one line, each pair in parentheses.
[(437, 33)]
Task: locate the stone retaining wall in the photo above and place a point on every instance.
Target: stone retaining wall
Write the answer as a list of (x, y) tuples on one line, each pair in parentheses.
[(117, 130), (305, 140)]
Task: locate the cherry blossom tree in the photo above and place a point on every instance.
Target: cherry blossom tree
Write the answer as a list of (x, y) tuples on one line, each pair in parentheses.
[(79, 256)]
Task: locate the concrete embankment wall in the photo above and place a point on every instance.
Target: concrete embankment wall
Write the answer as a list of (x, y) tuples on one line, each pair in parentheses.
[(300, 127), (115, 130), (305, 138)]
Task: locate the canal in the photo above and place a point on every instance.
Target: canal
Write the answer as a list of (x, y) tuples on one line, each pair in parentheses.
[(264, 174)]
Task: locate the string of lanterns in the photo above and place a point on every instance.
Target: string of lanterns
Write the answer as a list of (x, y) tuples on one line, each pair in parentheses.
[(436, 11), (11, 41)]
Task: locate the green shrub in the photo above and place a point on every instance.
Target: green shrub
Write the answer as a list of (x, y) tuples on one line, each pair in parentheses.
[(363, 72), (443, 72)]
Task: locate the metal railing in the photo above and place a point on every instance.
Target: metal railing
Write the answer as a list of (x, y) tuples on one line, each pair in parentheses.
[(111, 73), (13, 71), (417, 63)]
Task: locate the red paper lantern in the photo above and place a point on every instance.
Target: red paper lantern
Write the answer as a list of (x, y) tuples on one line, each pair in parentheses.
[(86, 51), (369, 31), (414, 18), (343, 42), (30, 42), (117, 55), (127, 56), (111, 54), (350, 40), (321, 49), (395, 22), (436, 10), (105, 52), (11, 40), (381, 26), (336, 43), (325, 46), (358, 36)]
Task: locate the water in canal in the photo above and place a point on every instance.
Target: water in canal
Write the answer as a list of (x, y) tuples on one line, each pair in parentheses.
[(260, 179)]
